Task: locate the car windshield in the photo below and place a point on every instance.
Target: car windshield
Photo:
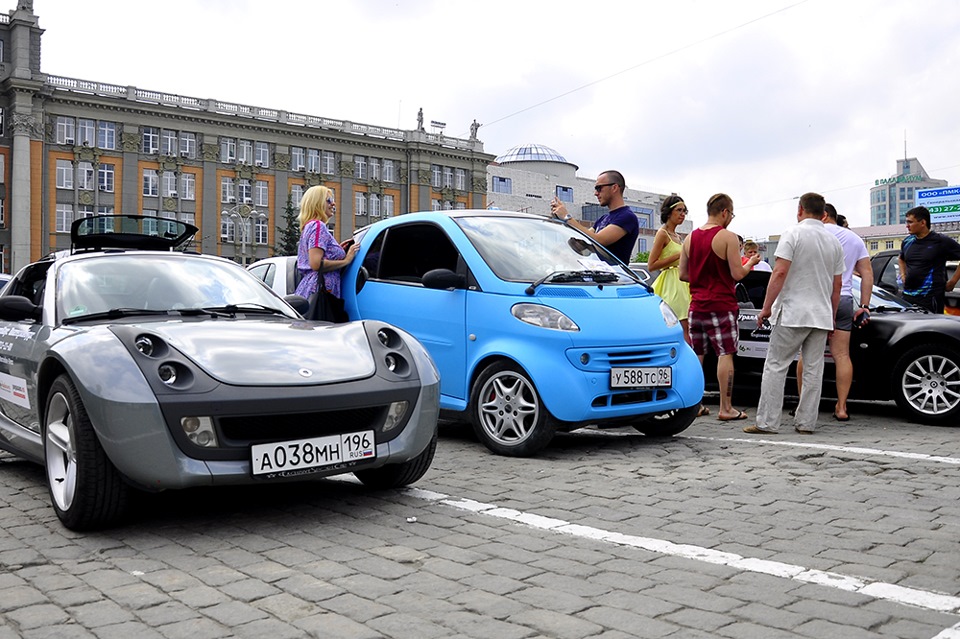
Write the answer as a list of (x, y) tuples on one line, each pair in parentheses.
[(160, 282), (526, 250), (879, 297)]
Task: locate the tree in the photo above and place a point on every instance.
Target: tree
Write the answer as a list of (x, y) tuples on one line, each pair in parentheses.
[(289, 236)]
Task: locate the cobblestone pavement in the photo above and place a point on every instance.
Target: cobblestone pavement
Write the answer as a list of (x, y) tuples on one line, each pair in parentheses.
[(850, 532)]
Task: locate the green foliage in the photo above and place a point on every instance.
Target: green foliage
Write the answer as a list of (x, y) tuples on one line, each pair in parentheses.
[(642, 257), (289, 236)]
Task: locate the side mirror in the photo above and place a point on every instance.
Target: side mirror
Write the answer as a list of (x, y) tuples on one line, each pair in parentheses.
[(14, 308), (443, 278), (299, 303)]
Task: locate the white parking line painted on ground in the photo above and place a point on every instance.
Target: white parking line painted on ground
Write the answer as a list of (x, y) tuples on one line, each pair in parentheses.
[(876, 589), (858, 450)]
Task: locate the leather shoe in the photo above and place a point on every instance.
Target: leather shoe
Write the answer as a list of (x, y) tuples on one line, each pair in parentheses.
[(756, 430)]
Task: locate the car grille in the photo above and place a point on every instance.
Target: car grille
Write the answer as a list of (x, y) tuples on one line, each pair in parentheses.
[(603, 359), (244, 430), (626, 398)]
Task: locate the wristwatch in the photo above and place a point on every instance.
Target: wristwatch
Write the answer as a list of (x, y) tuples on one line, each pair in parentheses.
[(567, 217), (866, 306)]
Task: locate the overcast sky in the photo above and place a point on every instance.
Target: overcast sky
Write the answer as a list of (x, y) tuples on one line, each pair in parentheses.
[(764, 100)]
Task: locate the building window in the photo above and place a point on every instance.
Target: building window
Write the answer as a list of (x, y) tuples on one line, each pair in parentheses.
[(64, 217), (261, 154), (889, 244), (874, 245), (360, 208), (374, 205), (565, 193), (227, 194), (86, 178), (261, 193), (360, 167), (245, 152), (460, 180), (297, 158), (313, 160), (169, 184), (435, 205), (188, 186), (329, 163), (374, 169), (245, 192), (387, 206), (65, 131), (388, 171), (151, 183), (227, 229), (150, 140), (64, 174), (296, 193), (107, 135), (502, 185), (447, 177), (460, 206), (260, 230), (436, 174), (188, 145), (86, 132), (169, 142), (228, 150)]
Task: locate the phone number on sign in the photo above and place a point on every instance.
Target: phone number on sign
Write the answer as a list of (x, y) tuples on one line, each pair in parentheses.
[(641, 377)]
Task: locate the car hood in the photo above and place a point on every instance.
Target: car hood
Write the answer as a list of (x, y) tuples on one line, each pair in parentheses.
[(271, 352)]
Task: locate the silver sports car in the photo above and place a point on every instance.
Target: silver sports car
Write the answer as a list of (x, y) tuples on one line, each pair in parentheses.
[(126, 365)]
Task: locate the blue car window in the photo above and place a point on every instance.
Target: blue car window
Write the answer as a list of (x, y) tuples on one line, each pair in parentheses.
[(410, 250)]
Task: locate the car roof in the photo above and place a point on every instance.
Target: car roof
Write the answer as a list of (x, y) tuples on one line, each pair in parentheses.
[(99, 232)]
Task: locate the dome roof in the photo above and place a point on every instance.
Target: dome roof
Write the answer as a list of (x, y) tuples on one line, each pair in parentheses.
[(531, 153)]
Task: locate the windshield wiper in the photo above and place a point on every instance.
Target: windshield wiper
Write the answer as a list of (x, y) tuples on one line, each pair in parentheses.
[(233, 309), (601, 277), (113, 313)]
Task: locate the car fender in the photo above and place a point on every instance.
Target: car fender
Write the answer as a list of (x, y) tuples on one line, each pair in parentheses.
[(122, 408)]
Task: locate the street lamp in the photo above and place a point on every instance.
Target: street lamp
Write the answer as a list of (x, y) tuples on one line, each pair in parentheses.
[(244, 213)]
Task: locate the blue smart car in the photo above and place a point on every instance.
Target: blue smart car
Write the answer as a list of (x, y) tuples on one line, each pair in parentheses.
[(534, 327)]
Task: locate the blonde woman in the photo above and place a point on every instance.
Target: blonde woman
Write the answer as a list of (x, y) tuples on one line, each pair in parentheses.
[(665, 257), (318, 251)]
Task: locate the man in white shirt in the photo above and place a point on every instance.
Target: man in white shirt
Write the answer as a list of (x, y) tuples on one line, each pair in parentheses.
[(855, 260), (801, 302)]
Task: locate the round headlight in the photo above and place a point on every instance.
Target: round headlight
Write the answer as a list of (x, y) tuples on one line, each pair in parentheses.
[(391, 362), (190, 424), (168, 374), (145, 345)]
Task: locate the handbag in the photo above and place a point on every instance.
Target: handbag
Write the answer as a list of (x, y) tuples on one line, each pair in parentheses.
[(324, 306)]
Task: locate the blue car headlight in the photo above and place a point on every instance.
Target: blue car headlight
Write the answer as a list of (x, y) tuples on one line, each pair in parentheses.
[(543, 316), (669, 317)]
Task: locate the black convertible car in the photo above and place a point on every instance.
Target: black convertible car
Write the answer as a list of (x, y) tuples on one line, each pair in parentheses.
[(904, 353)]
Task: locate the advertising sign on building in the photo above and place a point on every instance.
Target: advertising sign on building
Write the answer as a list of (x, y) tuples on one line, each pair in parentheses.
[(943, 203)]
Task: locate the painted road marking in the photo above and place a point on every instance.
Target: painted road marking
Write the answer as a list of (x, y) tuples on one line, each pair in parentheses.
[(876, 589), (857, 450)]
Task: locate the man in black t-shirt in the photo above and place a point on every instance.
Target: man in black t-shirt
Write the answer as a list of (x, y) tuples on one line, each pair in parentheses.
[(923, 259)]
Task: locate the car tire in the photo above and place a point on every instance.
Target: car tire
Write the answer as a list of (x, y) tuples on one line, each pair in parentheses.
[(507, 413), (668, 424), (398, 475), (926, 383), (86, 490)]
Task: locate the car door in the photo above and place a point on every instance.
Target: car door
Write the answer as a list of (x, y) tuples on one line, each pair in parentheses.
[(392, 291), (18, 349), (886, 272)]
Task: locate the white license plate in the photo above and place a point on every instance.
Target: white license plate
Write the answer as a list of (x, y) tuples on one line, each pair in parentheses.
[(641, 377), (314, 453)]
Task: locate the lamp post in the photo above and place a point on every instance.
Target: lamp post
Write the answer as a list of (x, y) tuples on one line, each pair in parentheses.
[(244, 213)]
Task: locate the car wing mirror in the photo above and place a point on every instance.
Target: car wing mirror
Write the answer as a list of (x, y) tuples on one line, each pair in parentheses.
[(14, 308), (443, 278), (299, 303)]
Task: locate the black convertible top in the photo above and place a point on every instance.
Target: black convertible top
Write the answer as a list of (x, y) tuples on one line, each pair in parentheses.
[(128, 232)]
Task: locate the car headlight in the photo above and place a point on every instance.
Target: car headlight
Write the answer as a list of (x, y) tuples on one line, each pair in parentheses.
[(669, 317), (543, 316)]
